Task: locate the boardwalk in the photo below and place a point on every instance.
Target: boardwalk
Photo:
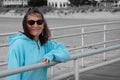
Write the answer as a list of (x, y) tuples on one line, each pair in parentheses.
[(108, 72)]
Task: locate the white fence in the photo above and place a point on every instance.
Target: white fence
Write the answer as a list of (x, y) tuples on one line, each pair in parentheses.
[(83, 38)]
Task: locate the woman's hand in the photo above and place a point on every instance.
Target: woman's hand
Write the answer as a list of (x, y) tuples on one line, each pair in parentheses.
[(45, 60)]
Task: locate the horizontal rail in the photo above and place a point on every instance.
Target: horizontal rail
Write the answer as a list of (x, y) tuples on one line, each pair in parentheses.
[(70, 49), (3, 63), (69, 35), (3, 45), (89, 32), (6, 34), (85, 25), (67, 27), (72, 57), (100, 43), (62, 36)]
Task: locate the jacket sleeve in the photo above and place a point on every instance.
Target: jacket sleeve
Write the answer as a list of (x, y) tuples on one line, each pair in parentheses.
[(56, 51), (13, 62)]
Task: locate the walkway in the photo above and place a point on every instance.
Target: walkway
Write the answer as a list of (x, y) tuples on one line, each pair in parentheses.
[(108, 72)]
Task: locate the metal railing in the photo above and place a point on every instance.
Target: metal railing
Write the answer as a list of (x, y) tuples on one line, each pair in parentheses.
[(72, 57), (103, 28)]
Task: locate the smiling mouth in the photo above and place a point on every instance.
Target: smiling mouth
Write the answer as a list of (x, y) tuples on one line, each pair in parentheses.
[(36, 29)]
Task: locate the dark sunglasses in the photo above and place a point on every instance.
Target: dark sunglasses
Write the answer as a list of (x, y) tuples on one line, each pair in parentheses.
[(32, 22)]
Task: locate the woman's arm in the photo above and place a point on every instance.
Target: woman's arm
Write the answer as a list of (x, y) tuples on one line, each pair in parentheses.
[(56, 51)]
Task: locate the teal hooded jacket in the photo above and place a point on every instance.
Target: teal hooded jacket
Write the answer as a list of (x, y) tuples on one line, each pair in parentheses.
[(25, 51)]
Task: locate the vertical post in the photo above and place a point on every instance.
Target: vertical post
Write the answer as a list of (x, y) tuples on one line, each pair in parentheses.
[(52, 68), (76, 69), (82, 42), (104, 54)]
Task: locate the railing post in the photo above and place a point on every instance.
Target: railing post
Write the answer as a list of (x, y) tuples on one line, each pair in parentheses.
[(77, 69), (52, 67), (104, 54), (82, 44)]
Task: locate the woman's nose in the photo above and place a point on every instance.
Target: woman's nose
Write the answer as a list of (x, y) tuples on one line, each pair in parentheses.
[(35, 24)]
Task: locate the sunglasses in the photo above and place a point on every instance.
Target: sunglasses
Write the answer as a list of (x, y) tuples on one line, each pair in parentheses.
[(32, 22)]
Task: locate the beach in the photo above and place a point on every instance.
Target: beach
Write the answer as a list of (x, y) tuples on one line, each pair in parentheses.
[(13, 22), (87, 15)]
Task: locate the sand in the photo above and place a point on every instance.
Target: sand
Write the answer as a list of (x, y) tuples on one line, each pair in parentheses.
[(94, 15), (88, 15)]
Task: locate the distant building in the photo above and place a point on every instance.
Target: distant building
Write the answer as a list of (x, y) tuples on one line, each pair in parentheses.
[(53, 3), (98, 0), (116, 3), (58, 3), (14, 2), (109, 3)]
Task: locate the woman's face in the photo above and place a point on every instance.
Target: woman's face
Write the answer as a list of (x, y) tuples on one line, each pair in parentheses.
[(35, 24)]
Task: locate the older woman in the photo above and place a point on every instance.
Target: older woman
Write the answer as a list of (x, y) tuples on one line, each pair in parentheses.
[(34, 46)]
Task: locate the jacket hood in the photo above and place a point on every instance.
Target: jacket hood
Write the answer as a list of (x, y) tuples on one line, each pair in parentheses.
[(14, 37)]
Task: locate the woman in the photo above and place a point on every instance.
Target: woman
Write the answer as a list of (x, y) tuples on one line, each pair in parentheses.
[(34, 46)]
